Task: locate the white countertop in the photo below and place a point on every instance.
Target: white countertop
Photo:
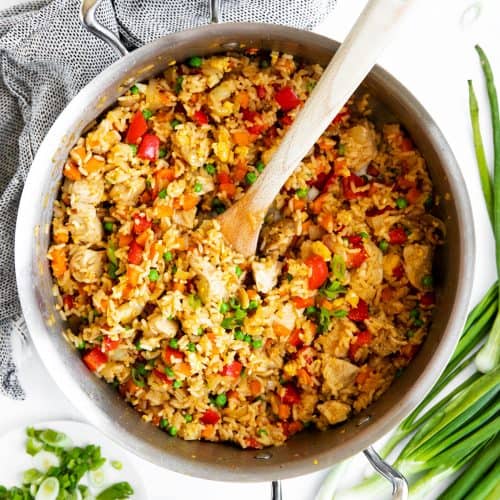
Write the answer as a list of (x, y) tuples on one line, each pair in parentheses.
[(434, 56)]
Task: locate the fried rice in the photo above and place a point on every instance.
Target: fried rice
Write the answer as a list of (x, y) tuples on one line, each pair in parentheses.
[(208, 344)]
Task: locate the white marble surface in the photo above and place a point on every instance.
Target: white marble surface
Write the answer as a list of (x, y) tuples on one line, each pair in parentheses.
[(433, 56)]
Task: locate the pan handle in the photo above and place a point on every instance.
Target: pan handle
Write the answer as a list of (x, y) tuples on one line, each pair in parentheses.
[(88, 19), (399, 483)]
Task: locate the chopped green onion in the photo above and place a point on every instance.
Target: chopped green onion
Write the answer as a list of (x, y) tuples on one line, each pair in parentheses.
[(177, 384), (116, 464), (238, 271), (154, 275), (262, 432), (302, 193), (364, 234), (112, 268), (239, 335), (147, 113), (341, 313), (218, 206), (227, 323), (253, 304), (195, 62), (341, 149), (133, 148), (194, 301), (178, 84), (224, 307), (162, 194), (427, 281), (247, 338), (169, 372), (175, 123), (310, 86), (117, 490), (162, 153), (338, 267)]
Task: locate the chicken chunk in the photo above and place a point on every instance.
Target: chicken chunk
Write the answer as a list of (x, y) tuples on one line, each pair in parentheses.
[(185, 218), (209, 281), (367, 278), (338, 373), (360, 144), (334, 411), (85, 225), (417, 261), (304, 410), (87, 191), (160, 325), (266, 274), (193, 145), (276, 238), (128, 192), (86, 265)]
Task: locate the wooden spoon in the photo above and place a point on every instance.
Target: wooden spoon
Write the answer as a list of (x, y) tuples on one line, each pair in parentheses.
[(242, 222)]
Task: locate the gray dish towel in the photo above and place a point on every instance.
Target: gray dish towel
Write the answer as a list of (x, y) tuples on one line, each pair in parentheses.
[(46, 58)]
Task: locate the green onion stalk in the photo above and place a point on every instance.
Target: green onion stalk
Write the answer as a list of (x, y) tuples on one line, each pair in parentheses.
[(489, 356)]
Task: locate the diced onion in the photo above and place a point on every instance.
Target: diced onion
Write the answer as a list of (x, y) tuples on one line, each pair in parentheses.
[(313, 193)]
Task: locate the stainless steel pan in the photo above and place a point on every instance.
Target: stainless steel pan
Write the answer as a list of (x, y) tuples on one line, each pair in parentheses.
[(308, 451)]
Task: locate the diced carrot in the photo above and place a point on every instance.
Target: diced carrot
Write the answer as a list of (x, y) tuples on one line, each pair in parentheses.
[(132, 276), (166, 174), (232, 394), (413, 195), (252, 294), (94, 164), (317, 204), (164, 211), (183, 368), (242, 99), (387, 294), (177, 203), (280, 330), (189, 201), (304, 377), (211, 336), (142, 238), (124, 240), (283, 411), (300, 302), (326, 304), (78, 154), (71, 171), (241, 138), (59, 262), (326, 221), (229, 188), (362, 375), (179, 286), (61, 237), (239, 172), (293, 427), (255, 387), (298, 204), (208, 431), (128, 387)]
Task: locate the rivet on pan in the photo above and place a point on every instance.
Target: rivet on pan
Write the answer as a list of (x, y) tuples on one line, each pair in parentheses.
[(231, 46), (363, 420), (263, 455)]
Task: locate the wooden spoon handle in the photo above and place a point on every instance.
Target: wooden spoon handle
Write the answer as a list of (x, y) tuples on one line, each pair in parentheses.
[(347, 69)]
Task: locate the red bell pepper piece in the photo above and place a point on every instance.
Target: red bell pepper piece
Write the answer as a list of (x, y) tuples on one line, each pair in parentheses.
[(68, 301), (355, 259), (261, 91), (361, 339), (108, 344), (349, 182), (210, 417), (341, 115), (163, 376), (224, 178), (356, 241), (398, 272), (94, 359), (287, 98), (428, 299), (291, 396), (249, 115), (256, 129), (200, 117), (286, 120), (359, 313), (397, 236), (253, 443), (169, 354), (135, 253), (319, 271), (294, 338), (140, 223), (232, 369), (149, 147), (137, 128)]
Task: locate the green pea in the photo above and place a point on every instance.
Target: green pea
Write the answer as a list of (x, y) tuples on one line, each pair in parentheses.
[(383, 245), (341, 149), (302, 193), (427, 281), (174, 343), (195, 61), (257, 343), (172, 431), (239, 335), (188, 418), (147, 113), (175, 123), (154, 275), (253, 304), (163, 423), (177, 384), (251, 177), (133, 148), (134, 89), (259, 166), (401, 203), (162, 194), (210, 168), (197, 187), (191, 347), (169, 372), (168, 256), (162, 153), (221, 400)]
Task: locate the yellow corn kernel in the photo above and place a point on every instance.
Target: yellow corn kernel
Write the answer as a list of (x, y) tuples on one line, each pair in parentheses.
[(290, 369), (351, 298), (319, 248)]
